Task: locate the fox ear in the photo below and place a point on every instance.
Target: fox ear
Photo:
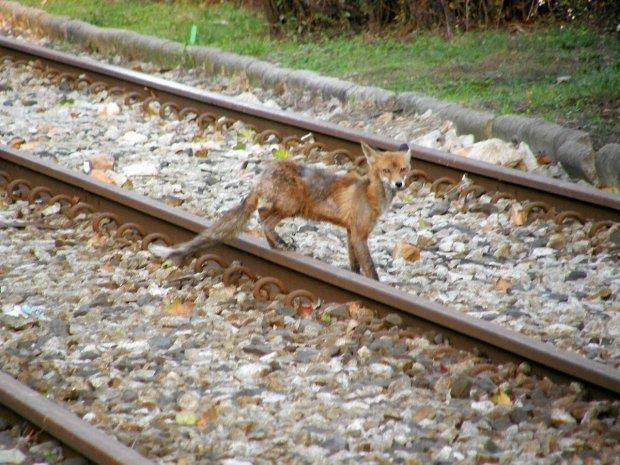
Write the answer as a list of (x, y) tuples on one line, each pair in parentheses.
[(369, 152)]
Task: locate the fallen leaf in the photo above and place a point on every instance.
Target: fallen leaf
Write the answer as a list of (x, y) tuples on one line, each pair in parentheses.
[(407, 251), (66, 101), (101, 176), (603, 294), (543, 159), (201, 152), (304, 309), (101, 162), (239, 146), (325, 317), (424, 412), (246, 134), (98, 240), (518, 215), (487, 228), (354, 308), (186, 418), (248, 400), (178, 307), (501, 398), (281, 153), (502, 284), (16, 142), (212, 414)]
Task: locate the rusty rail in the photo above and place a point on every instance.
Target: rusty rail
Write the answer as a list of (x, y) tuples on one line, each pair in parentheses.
[(588, 202), (66, 427), (26, 177)]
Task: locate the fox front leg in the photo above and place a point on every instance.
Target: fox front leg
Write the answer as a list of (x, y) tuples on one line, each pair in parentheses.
[(360, 247), (353, 262)]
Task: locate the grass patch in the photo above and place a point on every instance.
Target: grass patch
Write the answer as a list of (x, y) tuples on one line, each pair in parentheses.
[(492, 69)]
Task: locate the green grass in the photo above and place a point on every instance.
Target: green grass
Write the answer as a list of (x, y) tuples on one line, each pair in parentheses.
[(493, 69)]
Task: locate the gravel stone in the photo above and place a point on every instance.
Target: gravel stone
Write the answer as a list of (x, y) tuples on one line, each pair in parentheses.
[(462, 256)]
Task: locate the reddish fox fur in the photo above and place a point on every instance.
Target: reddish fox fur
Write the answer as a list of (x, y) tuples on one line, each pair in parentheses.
[(287, 189)]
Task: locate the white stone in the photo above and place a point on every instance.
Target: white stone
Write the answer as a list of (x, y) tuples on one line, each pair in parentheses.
[(561, 417), (559, 329), (141, 169), (494, 151), (109, 109), (133, 138), (430, 140), (112, 133), (483, 406), (381, 370), (235, 462), (543, 252), (12, 456), (251, 371)]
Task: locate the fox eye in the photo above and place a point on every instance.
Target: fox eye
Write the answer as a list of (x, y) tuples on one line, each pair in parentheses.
[(386, 171), (403, 170)]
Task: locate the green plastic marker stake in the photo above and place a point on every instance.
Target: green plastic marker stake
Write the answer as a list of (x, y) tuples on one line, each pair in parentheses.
[(193, 35)]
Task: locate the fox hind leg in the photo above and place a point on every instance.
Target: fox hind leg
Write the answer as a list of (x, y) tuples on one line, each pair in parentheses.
[(269, 219), (353, 262)]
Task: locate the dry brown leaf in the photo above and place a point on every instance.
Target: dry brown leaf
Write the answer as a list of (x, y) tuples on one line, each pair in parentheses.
[(212, 414), (98, 240), (178, 307), (354, 308), (407, 251), (603, 294), (248, 400), (16, 142), (502, 284), (101, 162), (101, 176), (304, 309), (518, 215), (201, 152), (487, 228), (543, 159)]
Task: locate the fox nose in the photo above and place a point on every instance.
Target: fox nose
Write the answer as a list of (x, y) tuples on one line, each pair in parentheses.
[(399, 184)]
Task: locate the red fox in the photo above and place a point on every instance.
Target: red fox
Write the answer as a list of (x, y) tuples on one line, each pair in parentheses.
[(287, 189)]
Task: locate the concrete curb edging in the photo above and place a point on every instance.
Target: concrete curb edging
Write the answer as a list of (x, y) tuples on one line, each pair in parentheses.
[(572, 148)]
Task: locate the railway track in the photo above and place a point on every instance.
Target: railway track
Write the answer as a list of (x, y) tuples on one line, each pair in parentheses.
[(569, 202), (42, 420), (28, 178), (244, 370)]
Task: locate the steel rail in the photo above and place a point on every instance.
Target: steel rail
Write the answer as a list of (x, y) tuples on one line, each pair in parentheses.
[(328, 282), (65, 426), (591, 203)]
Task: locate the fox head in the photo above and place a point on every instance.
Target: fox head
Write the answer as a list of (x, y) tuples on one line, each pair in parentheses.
[(391, 167)]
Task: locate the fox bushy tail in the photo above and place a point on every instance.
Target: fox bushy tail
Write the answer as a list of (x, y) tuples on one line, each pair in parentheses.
[(230, 224)]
